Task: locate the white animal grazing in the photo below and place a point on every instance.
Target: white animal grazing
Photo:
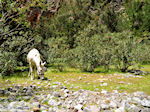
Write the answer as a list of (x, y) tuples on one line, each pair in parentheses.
[(35, 64)]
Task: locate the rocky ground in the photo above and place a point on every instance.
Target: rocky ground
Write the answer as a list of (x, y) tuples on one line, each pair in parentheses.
[(58, 98)]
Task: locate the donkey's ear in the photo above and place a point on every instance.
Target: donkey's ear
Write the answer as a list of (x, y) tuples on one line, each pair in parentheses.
[(43, 63)]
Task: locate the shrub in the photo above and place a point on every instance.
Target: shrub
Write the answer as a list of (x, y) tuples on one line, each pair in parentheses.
[(7, 63), (127, 50), (57, 52), (91, 49)]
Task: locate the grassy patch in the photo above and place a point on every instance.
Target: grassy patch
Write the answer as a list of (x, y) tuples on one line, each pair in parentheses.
[(76, 80)]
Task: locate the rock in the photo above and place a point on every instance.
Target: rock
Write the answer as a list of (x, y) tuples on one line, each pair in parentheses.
[(138, 93), (12, 105), (120, 109), (3, 110), (54, 86), (66, 95), (86, 109), (51, 109), (145, 110), (1, 106), (63, 87), (36, 105), (56, 94), (26, 97), (145, 103), (104, 92), (104, 106), (78, 107), (134, 108), (52, 102), (108, 111), (66, 91), (94, 108), (44, 111), (104, 84), (113, 104), (136, 100), (115, 91)]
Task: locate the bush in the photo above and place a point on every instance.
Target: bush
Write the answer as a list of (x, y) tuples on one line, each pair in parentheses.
[(127, 50), (7, 63), (57, 52), (138, 14), (91, 49)]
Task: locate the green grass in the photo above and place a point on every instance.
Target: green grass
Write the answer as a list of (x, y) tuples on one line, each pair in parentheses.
[(75, 79)]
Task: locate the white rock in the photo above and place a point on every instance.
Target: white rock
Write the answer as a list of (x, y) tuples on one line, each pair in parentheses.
[(78, 107), (52, 102), (113, 104), (104, 106), (94, 108), (104, 84), (12, 105), (145, 102), (104, 92), (121, 109)]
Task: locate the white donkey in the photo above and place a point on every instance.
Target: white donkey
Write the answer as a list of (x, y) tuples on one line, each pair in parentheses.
[(35, 64)]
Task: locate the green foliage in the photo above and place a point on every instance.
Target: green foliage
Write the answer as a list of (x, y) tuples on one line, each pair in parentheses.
[(15, 39), (127, 50), (110, 18), (57, 52), (7, 63), (91, 50), (138, 14), (78, 35)]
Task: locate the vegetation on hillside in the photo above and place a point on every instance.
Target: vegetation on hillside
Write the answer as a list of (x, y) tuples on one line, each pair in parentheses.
[(82, 34)]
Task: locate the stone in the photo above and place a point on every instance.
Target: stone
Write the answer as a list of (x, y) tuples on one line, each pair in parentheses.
[(104, 84), (120, 109), (66, 91), (136, 100), (145, 110), (1, 106), (113, 104), (94, 108), (78, 107), (145, 103), (36, 105), (56, 94), (134, 108), (138, 93), (63, 87), (115, 91), (104, 92), (104, 106), (12, 105), (86, 109), (52, 102)]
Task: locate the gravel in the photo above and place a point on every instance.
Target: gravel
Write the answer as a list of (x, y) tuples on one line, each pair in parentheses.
[(58, 98)]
